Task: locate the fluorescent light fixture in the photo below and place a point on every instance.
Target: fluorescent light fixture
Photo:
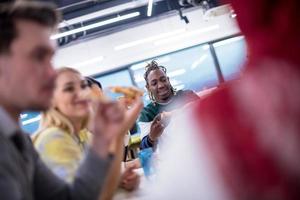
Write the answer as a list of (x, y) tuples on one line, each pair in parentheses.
[(29, 121), (88, 62), (150, 7), (23, 116), (143, 64), (187, 34), (163, 59), (175, 82), (228, 41), (105, 12), (138, 66), (179, 87), (95, 25), (205, 47), (139, 78), (149, 39), (176, 73), (101, 13), (198, 62)]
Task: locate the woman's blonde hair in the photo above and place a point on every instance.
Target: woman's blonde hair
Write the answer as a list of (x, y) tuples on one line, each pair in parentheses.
[(54, 118)]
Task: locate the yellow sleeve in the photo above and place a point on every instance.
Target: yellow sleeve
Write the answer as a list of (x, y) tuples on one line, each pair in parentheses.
[(60, 152)]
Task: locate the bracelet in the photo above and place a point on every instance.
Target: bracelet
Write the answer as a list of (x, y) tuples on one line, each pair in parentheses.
[(150, 140)]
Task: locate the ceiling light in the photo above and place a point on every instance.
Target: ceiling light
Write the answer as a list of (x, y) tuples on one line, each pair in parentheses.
[(176, 72), (150, 7), (88, 62), (180, 87), (149, 39), (23, 116), (142, 65), (175, 82), (187, 34), (95, 25), (29, 121), (106, 12), (205, 47), (198, 62), (139, 78)]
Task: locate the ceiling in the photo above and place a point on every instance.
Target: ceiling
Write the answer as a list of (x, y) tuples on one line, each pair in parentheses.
[(82, 13)]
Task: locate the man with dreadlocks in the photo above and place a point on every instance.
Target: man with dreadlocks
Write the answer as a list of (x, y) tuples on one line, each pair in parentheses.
[(163, 99)]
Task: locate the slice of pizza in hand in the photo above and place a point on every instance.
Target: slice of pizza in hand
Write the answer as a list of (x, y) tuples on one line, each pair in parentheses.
[(129, 92)]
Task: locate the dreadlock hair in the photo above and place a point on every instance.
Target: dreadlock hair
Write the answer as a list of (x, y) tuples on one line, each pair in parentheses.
[(153, 65)]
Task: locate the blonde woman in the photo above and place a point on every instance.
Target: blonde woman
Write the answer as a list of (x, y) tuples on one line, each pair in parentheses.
[(63, 135)]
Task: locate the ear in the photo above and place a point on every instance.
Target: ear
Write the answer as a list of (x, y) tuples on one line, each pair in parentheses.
[(147, 86), (169, 80)]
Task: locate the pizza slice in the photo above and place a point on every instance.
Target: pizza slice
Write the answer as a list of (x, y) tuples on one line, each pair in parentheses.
[(129, 92)]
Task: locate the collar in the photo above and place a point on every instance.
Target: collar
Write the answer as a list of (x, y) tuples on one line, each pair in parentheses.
[(8, 126), (166, 103)]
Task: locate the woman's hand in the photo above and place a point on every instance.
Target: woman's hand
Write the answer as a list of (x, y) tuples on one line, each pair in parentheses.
[(110, 120)]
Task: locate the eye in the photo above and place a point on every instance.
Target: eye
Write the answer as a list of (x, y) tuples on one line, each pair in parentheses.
[(84, 85), (69, 89), (153, 83), (164, 79), (39, 56)]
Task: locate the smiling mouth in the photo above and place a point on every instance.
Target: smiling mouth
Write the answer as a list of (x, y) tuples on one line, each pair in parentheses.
[(81, 102), (165, 92)]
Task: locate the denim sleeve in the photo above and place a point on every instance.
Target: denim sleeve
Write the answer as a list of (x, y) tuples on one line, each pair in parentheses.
[(146, 143)]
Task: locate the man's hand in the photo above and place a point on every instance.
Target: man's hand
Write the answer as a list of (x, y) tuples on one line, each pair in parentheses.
[(130, 180), (110, 120), (156, 129)]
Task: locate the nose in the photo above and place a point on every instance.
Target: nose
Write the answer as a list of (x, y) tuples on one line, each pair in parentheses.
[(51, 73), (160, 85), (83, 93)]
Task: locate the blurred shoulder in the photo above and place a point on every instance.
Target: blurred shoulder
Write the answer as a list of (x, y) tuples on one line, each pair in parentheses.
[(50, 134), (187, 96)]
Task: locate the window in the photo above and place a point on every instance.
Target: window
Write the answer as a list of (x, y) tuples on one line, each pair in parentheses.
[(30, 121), (231, 54), (120, 78), (191, 68)]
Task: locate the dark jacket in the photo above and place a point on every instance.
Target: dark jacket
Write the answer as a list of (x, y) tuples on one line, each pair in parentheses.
[(23, 176)]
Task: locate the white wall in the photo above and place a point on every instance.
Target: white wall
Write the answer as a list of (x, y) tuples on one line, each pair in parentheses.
[(85, 55)]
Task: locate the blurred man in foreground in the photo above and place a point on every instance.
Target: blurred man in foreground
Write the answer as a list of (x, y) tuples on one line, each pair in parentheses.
[(26, 53)]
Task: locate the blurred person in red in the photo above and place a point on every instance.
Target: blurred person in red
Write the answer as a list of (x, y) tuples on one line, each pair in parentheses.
[(245, 141)]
